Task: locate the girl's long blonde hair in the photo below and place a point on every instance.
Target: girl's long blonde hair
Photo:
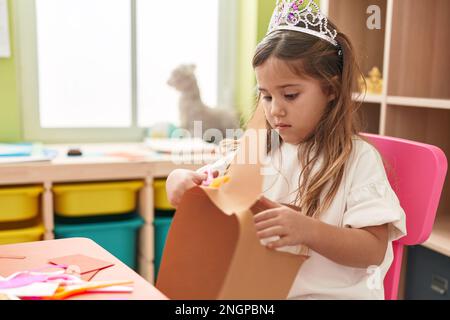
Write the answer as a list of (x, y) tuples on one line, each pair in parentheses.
[(337, 72)]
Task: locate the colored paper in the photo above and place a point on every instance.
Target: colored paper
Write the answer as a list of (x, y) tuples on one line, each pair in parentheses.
[(89, 266), (212, 249)]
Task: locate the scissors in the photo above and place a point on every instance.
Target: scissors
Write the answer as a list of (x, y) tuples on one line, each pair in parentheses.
[(210, 177), (219, 181)]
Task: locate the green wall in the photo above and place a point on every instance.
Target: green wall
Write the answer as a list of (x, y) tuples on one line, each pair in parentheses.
[(253, 22), (10, 118), (265, 10), (246, 43)]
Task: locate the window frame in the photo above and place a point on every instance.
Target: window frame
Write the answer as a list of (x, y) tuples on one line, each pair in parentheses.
[(26, 48)]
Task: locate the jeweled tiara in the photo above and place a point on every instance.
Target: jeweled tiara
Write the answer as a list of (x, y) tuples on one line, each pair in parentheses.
[(301, 15)]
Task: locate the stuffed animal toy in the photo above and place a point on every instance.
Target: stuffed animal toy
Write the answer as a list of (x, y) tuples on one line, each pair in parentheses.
[(192, 108)]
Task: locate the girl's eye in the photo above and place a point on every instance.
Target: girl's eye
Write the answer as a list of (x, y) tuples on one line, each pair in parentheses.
[(291, 96), (267, 98)]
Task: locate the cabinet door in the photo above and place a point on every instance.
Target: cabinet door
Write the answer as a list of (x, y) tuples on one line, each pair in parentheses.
[(428, 275)]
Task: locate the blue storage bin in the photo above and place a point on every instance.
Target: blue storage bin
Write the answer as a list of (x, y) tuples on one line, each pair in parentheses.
[(119, 237), (162, 226)]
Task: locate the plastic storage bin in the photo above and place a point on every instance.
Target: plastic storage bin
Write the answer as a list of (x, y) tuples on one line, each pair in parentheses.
[(19, 203), (22, 235), (119, 237), (93, 199), (162, 226), (160, 196)]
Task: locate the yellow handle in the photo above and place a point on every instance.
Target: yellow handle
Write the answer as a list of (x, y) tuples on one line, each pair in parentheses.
[(220, 181)]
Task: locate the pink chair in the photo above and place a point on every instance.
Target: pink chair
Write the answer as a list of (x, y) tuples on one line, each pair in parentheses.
[(416, 172)]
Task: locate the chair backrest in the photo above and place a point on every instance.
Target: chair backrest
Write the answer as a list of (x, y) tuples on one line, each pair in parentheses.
[(416, 172)]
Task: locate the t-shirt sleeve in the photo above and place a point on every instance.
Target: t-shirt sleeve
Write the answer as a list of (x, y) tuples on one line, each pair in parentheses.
[(371, 200)]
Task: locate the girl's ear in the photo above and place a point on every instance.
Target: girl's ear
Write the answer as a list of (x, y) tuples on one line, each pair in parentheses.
[(331, 97), (332, 94)]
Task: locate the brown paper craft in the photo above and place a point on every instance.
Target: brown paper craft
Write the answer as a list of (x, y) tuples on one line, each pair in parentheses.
[(212, 251), (89, 266)]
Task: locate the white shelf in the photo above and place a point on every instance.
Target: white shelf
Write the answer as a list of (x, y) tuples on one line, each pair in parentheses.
[(419, 102), (439, 240), (324, 6), (404, 101), (371, 98)]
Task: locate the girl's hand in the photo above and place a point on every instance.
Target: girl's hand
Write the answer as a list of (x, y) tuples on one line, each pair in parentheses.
[(281, 221), (180, 181)]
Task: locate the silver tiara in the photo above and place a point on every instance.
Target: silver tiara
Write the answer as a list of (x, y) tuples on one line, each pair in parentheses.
[(300, 15)]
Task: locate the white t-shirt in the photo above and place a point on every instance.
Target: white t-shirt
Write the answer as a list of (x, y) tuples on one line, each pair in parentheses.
[(364, 198)]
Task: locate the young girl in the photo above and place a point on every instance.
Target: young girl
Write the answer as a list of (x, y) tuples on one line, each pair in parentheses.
[(348, 213)]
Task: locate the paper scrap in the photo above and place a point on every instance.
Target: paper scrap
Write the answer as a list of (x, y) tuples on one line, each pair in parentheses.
[(89, 266), (37, 289)]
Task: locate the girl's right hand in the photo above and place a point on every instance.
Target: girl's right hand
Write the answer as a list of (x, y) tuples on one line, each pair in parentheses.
[(180, 181)]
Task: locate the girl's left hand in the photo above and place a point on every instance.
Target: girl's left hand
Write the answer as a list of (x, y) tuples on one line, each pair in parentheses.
[(283, 222)]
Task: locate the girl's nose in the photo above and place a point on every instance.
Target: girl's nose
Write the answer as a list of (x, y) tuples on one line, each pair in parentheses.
[(277, 109)]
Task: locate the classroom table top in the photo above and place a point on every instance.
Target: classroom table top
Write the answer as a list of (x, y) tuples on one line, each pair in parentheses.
[(101, 161), (37, 254)]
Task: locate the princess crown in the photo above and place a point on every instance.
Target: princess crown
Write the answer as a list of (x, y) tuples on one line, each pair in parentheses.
[(300, 15)]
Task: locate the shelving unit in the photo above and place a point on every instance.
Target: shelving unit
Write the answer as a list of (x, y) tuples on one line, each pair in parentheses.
[(350, 16), (102, 169), (412, 51), (370, 115)]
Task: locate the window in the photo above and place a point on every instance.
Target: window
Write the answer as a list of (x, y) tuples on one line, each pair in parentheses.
[(97, 70), (170, 34), (84, 63)]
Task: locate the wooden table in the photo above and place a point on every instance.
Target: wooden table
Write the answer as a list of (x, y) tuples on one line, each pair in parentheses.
[(38, 253), (103, 162)]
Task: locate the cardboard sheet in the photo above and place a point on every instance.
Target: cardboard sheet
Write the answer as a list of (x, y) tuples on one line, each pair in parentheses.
[(212, 249)]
